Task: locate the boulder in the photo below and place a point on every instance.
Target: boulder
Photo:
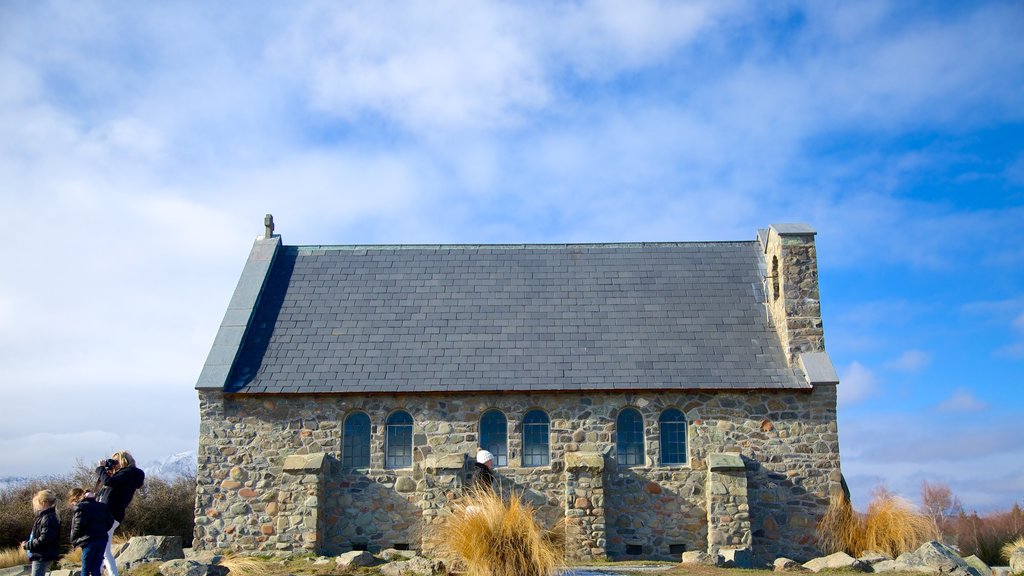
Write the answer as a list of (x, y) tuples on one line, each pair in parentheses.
[(737, 557), (16, 570), (699, 557), (391, 554), (837, 561), (65, 572), (940, 558), (354, 559), (894, 566), (142, 549), (1001, 571), (183, 567), (204, 556), (979, 565), (787, 565), (872, 557), (415, 566)]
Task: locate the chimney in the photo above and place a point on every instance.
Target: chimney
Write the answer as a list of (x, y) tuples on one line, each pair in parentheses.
[(791, 288)]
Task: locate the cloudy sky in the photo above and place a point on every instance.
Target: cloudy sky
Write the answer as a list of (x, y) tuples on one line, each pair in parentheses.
[(142, 143)]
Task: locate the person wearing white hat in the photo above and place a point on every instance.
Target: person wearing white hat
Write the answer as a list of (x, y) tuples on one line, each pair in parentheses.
[(483, 477)]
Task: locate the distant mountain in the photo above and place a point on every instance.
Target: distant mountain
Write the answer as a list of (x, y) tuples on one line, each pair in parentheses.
[(181, 464), (10, 481)]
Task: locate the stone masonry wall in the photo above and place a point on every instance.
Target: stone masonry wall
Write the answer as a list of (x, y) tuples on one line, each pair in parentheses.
[(792, 293), (788, 441)]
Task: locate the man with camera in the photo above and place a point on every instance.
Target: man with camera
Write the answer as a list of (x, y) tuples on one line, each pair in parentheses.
[(117, 479)]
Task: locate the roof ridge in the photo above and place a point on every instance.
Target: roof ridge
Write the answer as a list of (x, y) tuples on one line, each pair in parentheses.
[(514, 245)]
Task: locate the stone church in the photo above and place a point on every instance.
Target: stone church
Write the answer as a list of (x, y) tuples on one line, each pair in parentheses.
[(655, 397)]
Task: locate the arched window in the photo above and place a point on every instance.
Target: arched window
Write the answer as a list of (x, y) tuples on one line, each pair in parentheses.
[(629, 437), (536, 439), (398, 441), (355, 451), (494, 436), (672, 425)]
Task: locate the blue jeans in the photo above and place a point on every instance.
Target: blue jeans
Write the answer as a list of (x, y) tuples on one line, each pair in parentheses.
[(92, 557), (40, 567)]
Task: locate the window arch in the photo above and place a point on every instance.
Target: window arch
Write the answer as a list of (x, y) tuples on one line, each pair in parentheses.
[(672, 428), (536, 441), (355, 451), (494, 436), (629, 437), (398, 441)]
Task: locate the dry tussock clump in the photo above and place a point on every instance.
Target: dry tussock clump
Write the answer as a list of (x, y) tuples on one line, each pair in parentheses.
[(1010, 547), (891, 525), (246, 565), (13, 557), (493, 538)]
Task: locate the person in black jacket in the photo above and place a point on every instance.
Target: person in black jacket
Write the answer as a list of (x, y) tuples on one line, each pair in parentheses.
[(43, 544), (483, 475), (90, 522), (117, 479)]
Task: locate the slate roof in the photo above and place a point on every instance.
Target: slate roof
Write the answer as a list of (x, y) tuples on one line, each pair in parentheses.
[(357, 319)]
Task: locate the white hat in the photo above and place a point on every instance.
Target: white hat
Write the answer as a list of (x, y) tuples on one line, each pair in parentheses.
[(484, 457)]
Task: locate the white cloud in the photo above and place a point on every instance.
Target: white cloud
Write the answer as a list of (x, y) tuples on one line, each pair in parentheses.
[(962, 400), (1018, 323), (856, 384), (911, 361)]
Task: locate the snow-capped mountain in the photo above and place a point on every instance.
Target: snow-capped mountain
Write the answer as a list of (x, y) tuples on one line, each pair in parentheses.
[(180, 464)]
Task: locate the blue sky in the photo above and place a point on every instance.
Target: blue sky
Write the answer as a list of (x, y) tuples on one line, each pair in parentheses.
[(141, 145)]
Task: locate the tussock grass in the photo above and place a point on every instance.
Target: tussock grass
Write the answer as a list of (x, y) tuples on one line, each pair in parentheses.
[(13, 557), (890, 525), (240, 565), (492, 538), (1010, 547)]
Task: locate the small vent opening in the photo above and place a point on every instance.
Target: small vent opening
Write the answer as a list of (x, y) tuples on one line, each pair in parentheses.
[(634, 549)]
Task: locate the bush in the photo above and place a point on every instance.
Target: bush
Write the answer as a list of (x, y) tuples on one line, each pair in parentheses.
[(496, 539), (161, 507), (891, 525), (987, 536)]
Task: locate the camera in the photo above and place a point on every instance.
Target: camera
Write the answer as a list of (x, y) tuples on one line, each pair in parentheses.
[(109, 464)]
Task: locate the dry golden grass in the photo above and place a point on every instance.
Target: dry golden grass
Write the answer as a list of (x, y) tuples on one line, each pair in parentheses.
[(247, 565), (492, 538), (891, 525), (1010, 547), (13, 557)]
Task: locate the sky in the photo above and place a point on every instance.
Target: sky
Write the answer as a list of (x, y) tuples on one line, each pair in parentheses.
[(141, 145)]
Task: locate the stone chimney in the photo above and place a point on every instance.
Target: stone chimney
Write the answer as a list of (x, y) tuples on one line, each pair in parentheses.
[(791, 288)]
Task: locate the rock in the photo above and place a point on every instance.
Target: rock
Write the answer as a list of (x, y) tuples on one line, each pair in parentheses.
[(940, 558), (391, 554), (699, 557), (1017, 561), (16, 570), (838, 560), (142, 549), (894, 566), (322, 561), (787, 565), (354, 559), (204, 556), (978, 564), (872, 557), (183, 567), (737, 557), (417, 565), (65, 572), (1001, 571), (405, 485)]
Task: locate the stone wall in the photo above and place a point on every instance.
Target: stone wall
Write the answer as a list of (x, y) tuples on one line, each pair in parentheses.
[(792, 292), (788, 441)]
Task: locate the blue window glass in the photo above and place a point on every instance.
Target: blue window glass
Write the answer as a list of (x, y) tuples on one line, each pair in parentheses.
[(398, 441), (536, 439), (494, 436), (672, 425), (355, 452), (629, 438)]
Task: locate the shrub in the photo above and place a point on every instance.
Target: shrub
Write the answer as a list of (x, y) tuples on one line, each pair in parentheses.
[(890, 525), (161, 507), (987, 536), (493, 538)]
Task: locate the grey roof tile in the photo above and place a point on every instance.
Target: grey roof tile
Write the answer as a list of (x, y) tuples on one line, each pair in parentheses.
[(471, 318)]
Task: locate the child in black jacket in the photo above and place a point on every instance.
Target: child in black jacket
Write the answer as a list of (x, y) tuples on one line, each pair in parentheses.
[(43, 544), (89, 525)]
